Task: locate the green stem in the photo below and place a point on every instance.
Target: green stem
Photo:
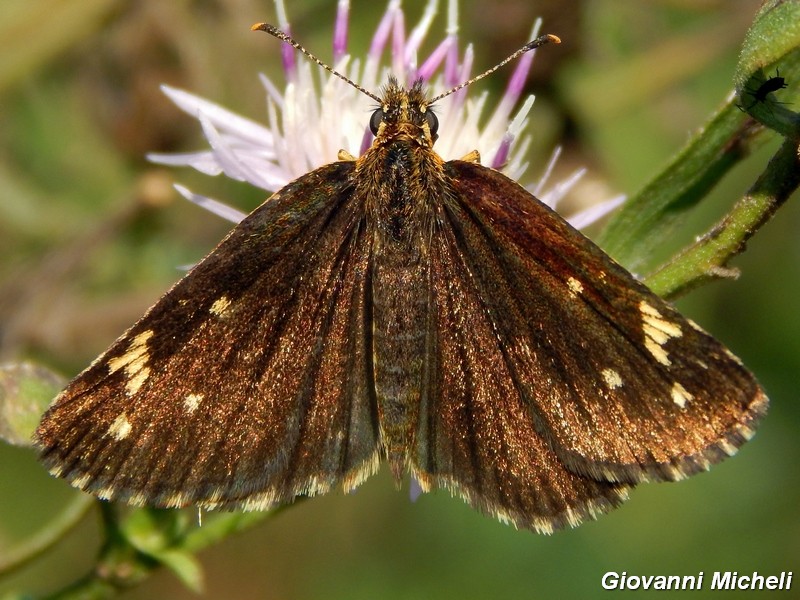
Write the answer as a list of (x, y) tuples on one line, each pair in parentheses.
[(708, 258), (51, 534), (98, 584), (120, 565), (651, 215), (222, 525)]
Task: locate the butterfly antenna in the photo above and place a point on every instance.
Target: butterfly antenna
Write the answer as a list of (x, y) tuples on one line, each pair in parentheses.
[(274, 31), (539, 41)]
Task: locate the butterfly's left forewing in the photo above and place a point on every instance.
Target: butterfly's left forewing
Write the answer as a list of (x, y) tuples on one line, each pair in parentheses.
[(247, 384), (621, 385), (476, 433)]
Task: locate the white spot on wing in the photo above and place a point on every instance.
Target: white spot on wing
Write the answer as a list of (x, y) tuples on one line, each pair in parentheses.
[(177, 500), (733, 357), (192, 401), (695, 326), (727, 447), (136, 350), (657, 351), (680, 396), (654, 319), (657, 332), (134, 363), (137, 378), (220, 306), (120, 428), (106, 493), (82, 481), (137, 499), (746, 432), (575, 286), (612, 378)]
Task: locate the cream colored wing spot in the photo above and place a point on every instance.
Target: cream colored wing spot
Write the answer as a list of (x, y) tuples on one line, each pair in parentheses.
[(136, 380), (680, 396), (137, 499), (733, 357), (612, 378), (192, 401), (177, 500), (106, 493), (82, 481), (657, 332), (220, 306), (575, 286), (120, 428), (727, 447), (695, 326), (134, 363), (657, 351)]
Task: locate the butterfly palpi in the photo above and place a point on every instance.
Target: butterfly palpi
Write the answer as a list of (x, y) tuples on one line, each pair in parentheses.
[(396, 307)]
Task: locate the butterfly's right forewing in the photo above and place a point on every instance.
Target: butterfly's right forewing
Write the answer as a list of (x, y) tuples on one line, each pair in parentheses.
[(249, 382)]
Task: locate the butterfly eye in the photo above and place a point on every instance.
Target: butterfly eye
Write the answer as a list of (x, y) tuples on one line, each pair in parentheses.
[(433, 122), (375, 121)]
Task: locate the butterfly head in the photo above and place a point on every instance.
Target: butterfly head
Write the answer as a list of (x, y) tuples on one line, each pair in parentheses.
[(405, 114)]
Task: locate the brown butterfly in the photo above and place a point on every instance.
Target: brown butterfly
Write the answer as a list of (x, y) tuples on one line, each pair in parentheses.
[(399, 307)]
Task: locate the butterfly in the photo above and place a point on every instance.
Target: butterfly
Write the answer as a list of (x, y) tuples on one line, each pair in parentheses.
[(400, 308)]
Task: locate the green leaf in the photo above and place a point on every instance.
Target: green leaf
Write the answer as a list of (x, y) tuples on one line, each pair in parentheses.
[(771, 48), (774, 34), (185, 566), (653, 214), (26, 391), (62, 522), (32, 32), (159, 534)]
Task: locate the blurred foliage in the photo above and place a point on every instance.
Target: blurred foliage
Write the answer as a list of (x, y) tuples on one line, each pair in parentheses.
[(25, 393), (90, 236)]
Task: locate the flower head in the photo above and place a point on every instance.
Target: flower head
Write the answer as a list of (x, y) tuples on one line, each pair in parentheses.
[(318, 114)]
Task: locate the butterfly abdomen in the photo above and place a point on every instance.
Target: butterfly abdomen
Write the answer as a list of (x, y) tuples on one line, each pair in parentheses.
[(400, 305), (400, 204)]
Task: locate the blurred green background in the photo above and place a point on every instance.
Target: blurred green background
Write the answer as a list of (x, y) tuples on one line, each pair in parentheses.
[(91, 234)]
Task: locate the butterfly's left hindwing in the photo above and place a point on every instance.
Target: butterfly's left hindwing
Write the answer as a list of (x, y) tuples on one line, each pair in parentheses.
[(621, 385), (247, 384)]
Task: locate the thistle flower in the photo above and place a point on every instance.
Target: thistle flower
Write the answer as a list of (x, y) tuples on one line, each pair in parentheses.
[(318, 114)]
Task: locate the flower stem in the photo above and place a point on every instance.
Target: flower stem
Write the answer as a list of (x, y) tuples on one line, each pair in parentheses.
[(50, 535), (707, 258), (652, 215)]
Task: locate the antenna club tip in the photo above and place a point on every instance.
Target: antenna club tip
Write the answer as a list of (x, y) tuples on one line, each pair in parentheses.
[(261, 27), (541, 40)]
